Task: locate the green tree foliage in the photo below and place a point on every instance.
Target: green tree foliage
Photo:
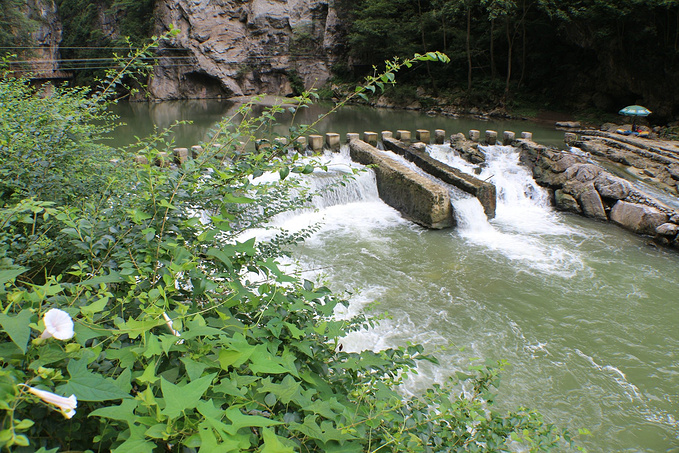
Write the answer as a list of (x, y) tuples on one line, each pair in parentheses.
[(175, 333), (15, 25), (601, 54), (92, 30)]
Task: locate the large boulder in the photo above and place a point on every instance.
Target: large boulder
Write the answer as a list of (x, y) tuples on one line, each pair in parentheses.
[(610, 186), (566, 202), (637, 217), (591, 203)]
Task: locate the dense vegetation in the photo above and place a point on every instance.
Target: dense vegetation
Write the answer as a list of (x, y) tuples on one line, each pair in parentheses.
[(135, 317), (601, 54)]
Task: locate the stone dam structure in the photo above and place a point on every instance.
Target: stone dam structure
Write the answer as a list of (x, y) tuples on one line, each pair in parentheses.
[(580, 179)]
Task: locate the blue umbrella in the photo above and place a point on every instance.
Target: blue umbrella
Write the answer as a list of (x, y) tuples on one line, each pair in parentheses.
[(634, 111)]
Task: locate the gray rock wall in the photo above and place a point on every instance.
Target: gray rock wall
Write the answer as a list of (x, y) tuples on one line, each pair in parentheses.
[(233, 48)]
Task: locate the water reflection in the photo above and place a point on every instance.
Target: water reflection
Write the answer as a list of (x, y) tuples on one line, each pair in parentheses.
[(139, 119)]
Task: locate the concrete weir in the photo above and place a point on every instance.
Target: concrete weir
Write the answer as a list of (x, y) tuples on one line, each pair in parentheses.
[(484, 191), (416, 197)]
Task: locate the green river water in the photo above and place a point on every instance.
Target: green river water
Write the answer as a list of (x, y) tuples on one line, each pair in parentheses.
[(584, 312)]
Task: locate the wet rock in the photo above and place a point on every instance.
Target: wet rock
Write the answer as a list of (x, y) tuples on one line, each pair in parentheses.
[(637, 217), (566, 202), (610, 186), (673, 170), (591, 204), (582, 172), (568, 124), (668, 230)]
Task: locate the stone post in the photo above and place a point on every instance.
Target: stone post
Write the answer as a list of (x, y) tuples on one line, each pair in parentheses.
[(180, 155), (387, 134), (491, 137), (316, 143), (404, 136), (527, 136), (370, 138), (301, 144), (261, 144), (439, 136), (196, 150), (423, 135), (508, 137), (352, 136), (162, 160), (332, 141), (474, 135), (281, 142)]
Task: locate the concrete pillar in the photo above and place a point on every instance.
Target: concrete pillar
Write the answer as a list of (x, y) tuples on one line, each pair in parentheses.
[(352, 136), (439, 136), (301, 143), (316, 143), (261, 144), (370, 138), (491, 137), (423, 135), (508, 137), (474, 135), (281, 141), (527, 136), (180, 155), (404, 136), (569, 137), (387, 134), (162, 160), (196, 150), (332, 141)]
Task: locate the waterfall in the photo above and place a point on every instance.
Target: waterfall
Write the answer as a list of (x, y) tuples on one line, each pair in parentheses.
[(524, 219)]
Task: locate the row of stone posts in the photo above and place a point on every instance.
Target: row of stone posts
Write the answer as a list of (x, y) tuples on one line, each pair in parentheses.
[(332, 141)]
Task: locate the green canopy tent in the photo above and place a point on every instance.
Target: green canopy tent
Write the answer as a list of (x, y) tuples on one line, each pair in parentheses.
[(634, 111)]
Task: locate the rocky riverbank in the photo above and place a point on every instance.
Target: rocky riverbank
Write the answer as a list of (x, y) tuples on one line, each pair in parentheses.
[(626, 181)]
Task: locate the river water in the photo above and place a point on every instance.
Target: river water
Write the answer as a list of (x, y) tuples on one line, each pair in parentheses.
[(582, 311)]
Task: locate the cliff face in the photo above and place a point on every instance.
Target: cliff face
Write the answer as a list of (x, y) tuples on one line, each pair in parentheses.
[(46, 36), (242, 47)]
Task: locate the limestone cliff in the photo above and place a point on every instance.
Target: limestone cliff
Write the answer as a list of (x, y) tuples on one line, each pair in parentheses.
[(46, 33), (241, 47)]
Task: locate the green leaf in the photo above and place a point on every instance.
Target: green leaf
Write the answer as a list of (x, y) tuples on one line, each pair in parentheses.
[(273, 444), (179, 399), (285, 391), (284, 172), (124, 411), (240, 420), (8, 275), (136, 442), (88, 386), (17, 328)]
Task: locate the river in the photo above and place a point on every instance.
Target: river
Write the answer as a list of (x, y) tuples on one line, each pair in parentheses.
[(581, 310)]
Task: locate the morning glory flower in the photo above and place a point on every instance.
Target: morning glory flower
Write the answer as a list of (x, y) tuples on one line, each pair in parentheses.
[(65, 405), (58, 324)]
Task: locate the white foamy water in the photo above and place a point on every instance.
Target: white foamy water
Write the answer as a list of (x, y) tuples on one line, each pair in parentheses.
[(531, 286), (524, 219)]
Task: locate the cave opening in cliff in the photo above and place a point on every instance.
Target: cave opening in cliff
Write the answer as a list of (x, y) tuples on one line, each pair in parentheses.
[(200, 85)]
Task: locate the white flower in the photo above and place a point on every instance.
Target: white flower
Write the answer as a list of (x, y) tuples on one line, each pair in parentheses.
[(58, 324), (66, 405)]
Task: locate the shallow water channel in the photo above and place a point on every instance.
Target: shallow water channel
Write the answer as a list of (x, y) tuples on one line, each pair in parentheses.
[(584, 312)]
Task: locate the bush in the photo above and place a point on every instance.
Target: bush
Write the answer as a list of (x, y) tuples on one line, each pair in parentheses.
[(162, 330)]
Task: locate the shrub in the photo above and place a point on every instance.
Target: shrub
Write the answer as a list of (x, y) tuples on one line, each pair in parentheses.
[(174, 334)]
